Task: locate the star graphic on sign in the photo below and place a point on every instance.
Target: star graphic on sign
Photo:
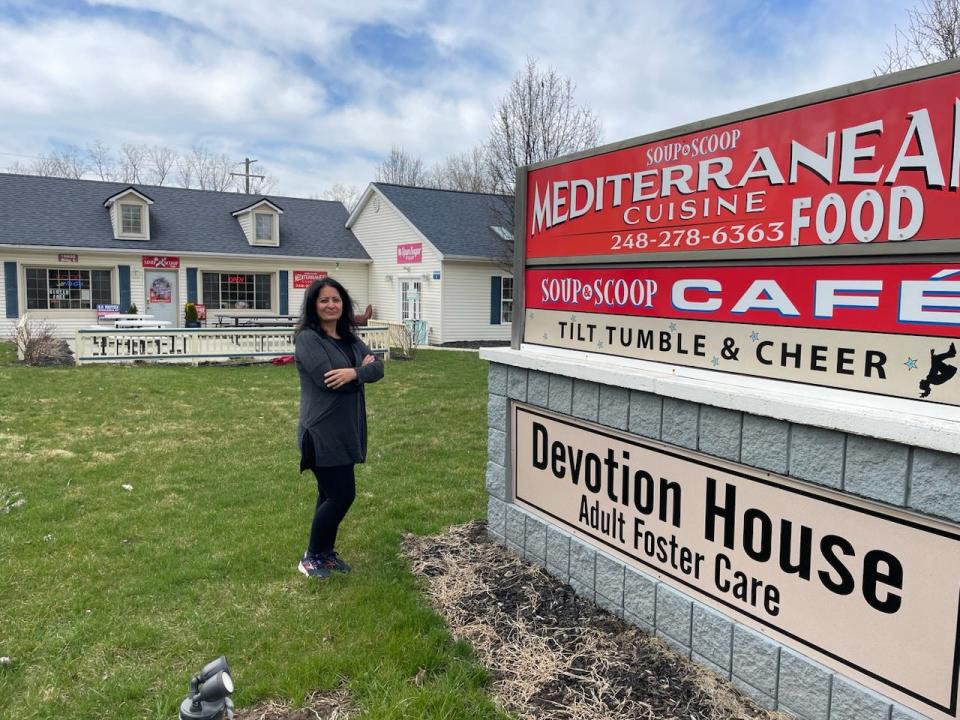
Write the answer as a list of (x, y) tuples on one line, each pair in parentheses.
[(715, 361), (911, 363), (600, 344), (546, 337), (754, 336), (673, 327), (573, 318)]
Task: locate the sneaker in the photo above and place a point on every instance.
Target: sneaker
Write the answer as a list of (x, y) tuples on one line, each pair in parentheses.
[(334, 562), (313, 566)]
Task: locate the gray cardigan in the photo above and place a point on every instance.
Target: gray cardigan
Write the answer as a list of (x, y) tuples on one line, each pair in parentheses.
[(333, 421)]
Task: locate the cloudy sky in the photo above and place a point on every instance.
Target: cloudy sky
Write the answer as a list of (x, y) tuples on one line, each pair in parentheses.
[(318, 91)]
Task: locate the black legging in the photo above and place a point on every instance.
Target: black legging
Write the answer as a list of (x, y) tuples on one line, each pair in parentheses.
[(336, 490)]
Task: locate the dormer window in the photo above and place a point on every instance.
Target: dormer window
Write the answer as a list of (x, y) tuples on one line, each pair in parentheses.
[(260, 222), (129, 214), (131, 219), (264, 227)]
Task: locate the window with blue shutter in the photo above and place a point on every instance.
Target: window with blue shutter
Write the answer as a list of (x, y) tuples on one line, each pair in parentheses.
[(10, 287), (123, 275), (496, 290), (192, 285), (284, 292)]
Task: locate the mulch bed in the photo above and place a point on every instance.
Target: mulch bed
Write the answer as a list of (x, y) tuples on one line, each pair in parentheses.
[(553, 655)]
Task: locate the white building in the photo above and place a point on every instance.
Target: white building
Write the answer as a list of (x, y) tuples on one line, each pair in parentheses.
[(67, 246), (438, 256)]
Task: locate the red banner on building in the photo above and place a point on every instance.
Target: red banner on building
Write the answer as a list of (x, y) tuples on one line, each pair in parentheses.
[(164, 262), (68, 257), (409, 253), (914, 299), (303, 278), (876, 167)]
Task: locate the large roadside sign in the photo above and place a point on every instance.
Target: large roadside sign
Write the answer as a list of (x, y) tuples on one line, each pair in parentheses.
[(814, 240), (871, 168)]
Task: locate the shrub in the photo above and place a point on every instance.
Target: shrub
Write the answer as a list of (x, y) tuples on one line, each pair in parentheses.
[(190, 312), (37, 345), (132, 310)]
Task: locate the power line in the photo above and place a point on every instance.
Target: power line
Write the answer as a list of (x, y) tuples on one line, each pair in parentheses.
[(246, 175)]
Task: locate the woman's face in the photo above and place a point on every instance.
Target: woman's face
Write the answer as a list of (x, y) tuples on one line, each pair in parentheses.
[(329, 304)]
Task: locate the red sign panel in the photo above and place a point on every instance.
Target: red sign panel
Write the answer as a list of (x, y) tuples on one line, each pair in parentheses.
[(164, 262), (877, 167), (68, 258), (915, 299), (303, 278), (409, 253)]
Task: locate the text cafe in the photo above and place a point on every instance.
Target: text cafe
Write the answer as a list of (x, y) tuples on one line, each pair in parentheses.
[(731, 410)]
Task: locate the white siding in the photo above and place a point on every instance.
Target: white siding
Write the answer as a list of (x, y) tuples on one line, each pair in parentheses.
[(466, 302), (380, 233), (246, 223), (352, 274)]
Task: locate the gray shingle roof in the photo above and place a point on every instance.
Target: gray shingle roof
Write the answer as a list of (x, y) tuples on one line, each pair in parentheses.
[(457, 223), (55, 211)]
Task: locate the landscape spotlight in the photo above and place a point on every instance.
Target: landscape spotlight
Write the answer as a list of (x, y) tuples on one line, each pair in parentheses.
[(209, 693)]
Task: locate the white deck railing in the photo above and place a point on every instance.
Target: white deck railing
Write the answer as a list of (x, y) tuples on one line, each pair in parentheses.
[(197, 344)]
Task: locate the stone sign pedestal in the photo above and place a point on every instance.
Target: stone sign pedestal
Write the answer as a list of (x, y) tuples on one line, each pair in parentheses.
[(866, 446)]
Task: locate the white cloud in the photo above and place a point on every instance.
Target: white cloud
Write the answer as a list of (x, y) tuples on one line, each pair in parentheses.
[(282, 81)]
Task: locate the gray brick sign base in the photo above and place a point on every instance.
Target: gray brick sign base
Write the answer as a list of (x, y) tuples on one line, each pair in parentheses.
[(772, 674)]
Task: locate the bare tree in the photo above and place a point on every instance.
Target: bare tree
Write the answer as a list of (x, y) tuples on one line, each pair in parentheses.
[(19, 168), (184, 172), (132, 162), (46, 166), (932, 34), (200, 159), (218, 173), (65, 163), (101, 161), (347, 195), (212, 171), (467, 171), (70, 162), (401, 168), (538, 119), (162, 160)]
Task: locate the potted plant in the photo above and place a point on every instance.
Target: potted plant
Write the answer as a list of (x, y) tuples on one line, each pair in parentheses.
[(132, 310), (191, 316)]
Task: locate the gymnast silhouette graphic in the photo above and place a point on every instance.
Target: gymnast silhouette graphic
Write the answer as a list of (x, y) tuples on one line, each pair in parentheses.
[(940, 372)]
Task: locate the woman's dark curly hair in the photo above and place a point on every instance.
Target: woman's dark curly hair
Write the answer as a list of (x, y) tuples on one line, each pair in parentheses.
[(309, 319)]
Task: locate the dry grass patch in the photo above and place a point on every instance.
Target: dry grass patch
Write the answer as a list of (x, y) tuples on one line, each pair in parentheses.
[(334, 705), (555, 656)]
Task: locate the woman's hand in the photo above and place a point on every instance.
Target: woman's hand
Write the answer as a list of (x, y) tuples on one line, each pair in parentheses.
[(339, 377), (367, 360)]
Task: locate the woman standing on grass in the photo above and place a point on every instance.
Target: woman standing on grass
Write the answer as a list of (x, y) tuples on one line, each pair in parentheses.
[(333, 364)]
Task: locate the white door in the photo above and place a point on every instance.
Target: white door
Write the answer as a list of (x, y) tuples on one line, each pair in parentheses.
[(411, 299), (161, 291)]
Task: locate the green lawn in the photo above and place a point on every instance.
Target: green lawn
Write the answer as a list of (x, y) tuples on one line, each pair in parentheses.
[(110, 599)]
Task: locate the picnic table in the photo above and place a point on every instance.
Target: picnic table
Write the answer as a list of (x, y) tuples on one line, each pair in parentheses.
[(142, 323), (257, 320), (134, 320)]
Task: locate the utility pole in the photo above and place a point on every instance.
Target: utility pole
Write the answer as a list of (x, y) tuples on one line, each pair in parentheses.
[(247, 162)]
